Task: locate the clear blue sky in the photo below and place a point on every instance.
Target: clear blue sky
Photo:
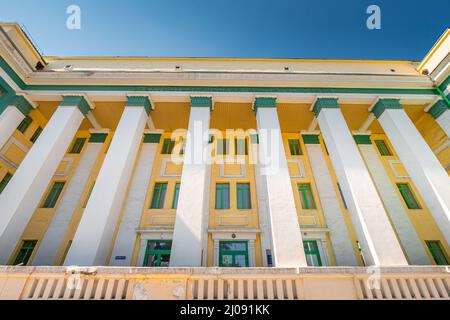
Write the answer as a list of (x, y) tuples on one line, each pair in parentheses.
[(233, 28)]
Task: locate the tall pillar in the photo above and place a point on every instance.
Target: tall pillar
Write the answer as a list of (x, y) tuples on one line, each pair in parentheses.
[(47, 250), (402, 224), (193, 202), (11, 114), (334, 217), (21, 197), (92, 240), (374, 231), (425, 170), (134, 205), (441, 113), (287, 243)]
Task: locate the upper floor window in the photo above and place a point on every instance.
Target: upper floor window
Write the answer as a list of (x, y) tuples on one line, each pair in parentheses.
[(25, 252), (243, 195), (77, 146), (159, 195), (176, 194), (241, 146), (168, 145), (294, 147), (222, 196), (437, 252), (5, 181), (306, 196), (53, 195), (383, 148), (408, 196), (36, 134), (23, 126)]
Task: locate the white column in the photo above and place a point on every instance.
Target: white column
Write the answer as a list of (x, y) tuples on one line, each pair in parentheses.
[(47, 250), (425, 170), (11, 117), (261, 195), (92, 240), (287, 243), (402, 224), (374, 231), (441, 113), (334, 217), (444, 121), (21, 197), (193, 201), (132, 212)]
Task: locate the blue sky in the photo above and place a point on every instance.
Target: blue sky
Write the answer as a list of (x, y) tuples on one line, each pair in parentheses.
[(233, 28)]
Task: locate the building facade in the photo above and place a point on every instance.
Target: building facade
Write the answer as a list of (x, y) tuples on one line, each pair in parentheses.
[(210, 162)]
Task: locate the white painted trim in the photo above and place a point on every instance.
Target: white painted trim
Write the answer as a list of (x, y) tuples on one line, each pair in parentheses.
[(392, 162), (5, 148), (248, 236), (300, 166)]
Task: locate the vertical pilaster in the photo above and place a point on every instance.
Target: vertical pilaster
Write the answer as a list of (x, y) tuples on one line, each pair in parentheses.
[(193, 203), (11, 114), (374, 231), (95, 232), (134, 205), (425, 170), (22, 195), (287, 243)]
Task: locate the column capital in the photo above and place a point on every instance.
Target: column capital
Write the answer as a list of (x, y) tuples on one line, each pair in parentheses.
[(21, 103), (202, 102), (385, 103), (310, 138), (437, 109), (264, 102), (76, 101), (152, 137), (140, 101), (98, 137), (362, 139), (327, 103)]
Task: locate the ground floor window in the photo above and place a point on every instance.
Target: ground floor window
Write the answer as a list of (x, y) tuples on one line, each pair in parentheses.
[(157, 253), (25, 252), (312, 253), (233, 254), (437, 252)]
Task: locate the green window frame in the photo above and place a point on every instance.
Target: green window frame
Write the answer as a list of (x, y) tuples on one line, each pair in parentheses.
[(24, 124), (159, 195), (53, 195), (383, 148), (222, 196), (312, 253), (295, 147), (168, 145), (408, 196), (243, 196), (5, 181), (306, 196), (223, 147), (233, 254), (25, 252), (36, 134), (157, 253), (78, 145), (437, 252), (176, 194), (241, 148)]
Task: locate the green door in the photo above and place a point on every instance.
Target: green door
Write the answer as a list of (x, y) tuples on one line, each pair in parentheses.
[(157, 253), (233, 254)]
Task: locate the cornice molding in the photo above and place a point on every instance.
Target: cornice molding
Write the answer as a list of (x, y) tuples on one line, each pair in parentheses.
[(385, 103), (325, 103)]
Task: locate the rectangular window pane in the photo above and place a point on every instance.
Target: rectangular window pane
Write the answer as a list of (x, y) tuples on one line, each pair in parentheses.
[(306, 196), (222, 147), (241, 147), (77, 145), (23, 126), (53, 195), (437, 252), (243, 195), (175, 196), (294, 147), (408, 196), (383, 148), (36, 135), (312, 253), (159, 194), (5, 181), (25, 252), (168, 145), (222, 196)]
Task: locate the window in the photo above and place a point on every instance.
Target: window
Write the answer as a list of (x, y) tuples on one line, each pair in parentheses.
[(176, 194), (5, 181), (53, 195), (77, 145), (157, 253), (437, 252), (36, 135), (223, 147), (25, 252), (383, 148), (312, 253), (342, 196), (294, 147), (408, 196), (243, 196), (159, 194), (306, 196), (233, 254), (168, 145), (222, 196), (241, 146), (23, 126)]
